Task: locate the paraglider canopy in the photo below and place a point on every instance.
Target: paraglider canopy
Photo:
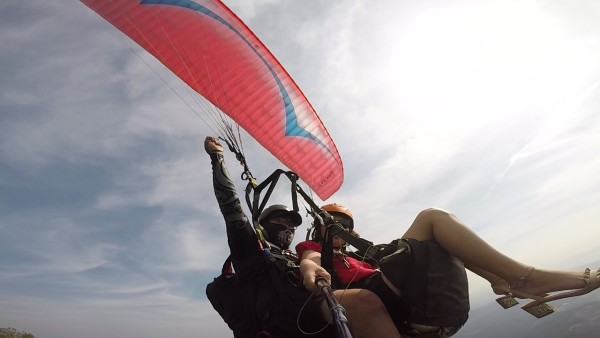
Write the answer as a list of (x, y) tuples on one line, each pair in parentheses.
[(215, 53)]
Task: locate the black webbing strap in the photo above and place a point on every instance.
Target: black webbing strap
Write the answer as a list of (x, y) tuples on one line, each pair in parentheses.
[(257, 205), (365, 248), (327, 259)]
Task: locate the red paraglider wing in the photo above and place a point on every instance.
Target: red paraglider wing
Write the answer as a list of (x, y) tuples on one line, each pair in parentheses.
[(213, 51)]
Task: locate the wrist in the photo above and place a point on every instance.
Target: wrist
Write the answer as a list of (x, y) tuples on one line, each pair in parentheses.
[(215, 155)]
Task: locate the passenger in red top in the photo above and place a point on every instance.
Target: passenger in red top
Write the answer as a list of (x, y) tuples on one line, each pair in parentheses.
[(439, 236)]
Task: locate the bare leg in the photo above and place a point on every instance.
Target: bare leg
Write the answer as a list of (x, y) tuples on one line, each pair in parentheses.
[(490, 277), (458, 240), (499, 285), (367, 316)]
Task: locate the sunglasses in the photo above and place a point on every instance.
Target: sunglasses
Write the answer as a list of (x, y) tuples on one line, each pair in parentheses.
[(346, 223), (283, 222)]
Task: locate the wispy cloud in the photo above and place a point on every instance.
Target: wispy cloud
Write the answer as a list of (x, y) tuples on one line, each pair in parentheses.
[(108, 219)]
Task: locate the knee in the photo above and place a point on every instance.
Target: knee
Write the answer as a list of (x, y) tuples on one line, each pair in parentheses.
[(368, 303), (433, 214)]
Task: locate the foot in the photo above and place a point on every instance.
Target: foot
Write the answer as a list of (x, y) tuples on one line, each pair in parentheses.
[(540, 308), (541, 282), (500, 287)]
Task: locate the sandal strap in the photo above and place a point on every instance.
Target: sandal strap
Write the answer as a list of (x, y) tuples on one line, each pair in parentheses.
[(589, 279), (586, 276), (521, 282)]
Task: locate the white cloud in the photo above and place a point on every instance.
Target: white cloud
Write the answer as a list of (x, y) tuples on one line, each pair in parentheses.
[(430, 105)]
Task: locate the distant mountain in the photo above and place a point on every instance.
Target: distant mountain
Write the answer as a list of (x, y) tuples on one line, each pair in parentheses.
[(574, 318)]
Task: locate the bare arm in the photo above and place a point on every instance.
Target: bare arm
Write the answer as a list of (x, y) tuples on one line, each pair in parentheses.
[(310, 268)]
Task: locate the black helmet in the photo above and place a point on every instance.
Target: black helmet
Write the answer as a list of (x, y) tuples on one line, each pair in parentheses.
[(277, 210), (279, 235)]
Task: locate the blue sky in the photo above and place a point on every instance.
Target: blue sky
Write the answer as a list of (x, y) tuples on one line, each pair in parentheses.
[(108, 221)]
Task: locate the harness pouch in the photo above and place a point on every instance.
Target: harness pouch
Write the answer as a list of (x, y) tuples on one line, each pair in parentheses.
[(433, 283), (235, 302)]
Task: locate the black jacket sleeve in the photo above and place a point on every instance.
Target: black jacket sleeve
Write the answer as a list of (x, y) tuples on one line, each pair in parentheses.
[(242, 240)]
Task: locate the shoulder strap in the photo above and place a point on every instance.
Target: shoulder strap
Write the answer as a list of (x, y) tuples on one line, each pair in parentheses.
[(327, 259)]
